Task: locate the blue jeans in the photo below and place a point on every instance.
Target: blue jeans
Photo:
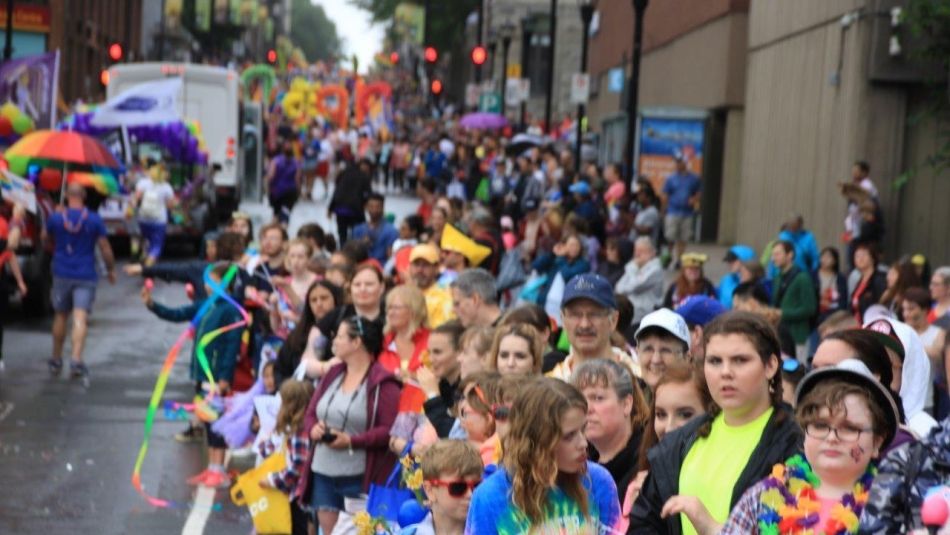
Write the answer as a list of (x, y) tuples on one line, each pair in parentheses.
[(328, 491), (154, 234)]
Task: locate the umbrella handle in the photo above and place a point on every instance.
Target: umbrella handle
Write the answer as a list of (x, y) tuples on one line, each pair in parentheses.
[(62, 187)]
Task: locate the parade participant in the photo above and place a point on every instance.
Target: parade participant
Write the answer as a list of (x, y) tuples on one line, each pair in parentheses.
[(872, 283), (516, 350), (76, 232), (848, 417), (154, 197), (904, 479), (698, 311), (440, 379), (283, 182), (293, 437), (794, 295), (617, 415), (378, 233), (690, 281), (590, 316), (704, 467), (305, 344), (424, 270), (459, 252), (7, 256), (366, 291), (349, 417), (546, 484), (683, 190), (474, 298), (642, 281), (222, 353), (451, 470), (662, 339)]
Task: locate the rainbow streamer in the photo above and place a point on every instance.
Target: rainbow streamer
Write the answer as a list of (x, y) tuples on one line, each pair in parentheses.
[(218, 291)]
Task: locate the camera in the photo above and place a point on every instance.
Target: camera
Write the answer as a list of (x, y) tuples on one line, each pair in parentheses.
[(328, 437)]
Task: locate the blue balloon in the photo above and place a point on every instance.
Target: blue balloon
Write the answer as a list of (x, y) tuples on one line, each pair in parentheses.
[(410, 512)]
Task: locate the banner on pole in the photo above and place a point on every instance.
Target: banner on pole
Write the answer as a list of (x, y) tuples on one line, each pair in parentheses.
[(30, 83), (580, 88)]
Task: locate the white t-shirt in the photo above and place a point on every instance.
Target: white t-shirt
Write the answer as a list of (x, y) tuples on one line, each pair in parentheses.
[(155, 197), (927, 339)]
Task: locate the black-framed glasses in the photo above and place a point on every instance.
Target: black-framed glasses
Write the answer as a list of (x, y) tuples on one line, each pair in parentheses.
[(846, 433), (457, 488)]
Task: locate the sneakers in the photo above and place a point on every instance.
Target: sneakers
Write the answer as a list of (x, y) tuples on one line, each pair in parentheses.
[(211, 478), (78, 370), (55, 366), (192, 434)]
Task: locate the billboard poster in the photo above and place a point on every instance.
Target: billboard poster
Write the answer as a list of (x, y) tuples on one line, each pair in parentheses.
[(30, 83), (662, 140)]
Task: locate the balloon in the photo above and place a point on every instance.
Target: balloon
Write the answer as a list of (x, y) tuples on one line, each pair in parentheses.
[(22, 124), (9, 110), (51, 179), (6, 126), (410, 512)]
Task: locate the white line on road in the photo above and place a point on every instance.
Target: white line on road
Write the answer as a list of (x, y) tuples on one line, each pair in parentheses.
[(5, 409), (200, 511)]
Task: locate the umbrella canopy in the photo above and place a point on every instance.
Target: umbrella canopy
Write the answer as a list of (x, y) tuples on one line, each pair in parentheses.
[(103, 182), (523, 142), (65, 147), (483, 121)]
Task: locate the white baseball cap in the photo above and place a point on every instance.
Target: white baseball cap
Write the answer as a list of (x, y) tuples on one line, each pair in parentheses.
[(667, 320)]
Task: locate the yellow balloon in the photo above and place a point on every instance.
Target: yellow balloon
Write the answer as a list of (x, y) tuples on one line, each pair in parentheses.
[(10, 111)]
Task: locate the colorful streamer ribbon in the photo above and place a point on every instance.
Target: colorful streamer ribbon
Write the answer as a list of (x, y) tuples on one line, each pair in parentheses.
[(217, 292)]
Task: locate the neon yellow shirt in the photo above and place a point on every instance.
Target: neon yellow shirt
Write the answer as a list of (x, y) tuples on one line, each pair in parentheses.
[(713, 465)]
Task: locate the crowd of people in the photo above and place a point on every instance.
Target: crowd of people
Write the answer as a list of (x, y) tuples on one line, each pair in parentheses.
[(544, 343)]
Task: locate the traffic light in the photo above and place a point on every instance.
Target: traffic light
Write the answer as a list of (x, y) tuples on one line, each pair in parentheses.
[(394, 57), (436, 87), (479, 55), (104, 77), (115, 52), (430, 54), (271, 56)]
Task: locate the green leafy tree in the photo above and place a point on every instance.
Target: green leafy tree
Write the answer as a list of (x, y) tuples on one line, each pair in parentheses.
[(313, 31), (445, 18)]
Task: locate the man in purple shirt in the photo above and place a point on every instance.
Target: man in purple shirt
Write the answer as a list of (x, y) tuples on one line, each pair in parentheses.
[(76, 231)]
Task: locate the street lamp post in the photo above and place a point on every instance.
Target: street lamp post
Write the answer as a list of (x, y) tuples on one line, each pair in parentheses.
[(506, 31), (526, 35), (639, 7), (552, 37), (587, 15)]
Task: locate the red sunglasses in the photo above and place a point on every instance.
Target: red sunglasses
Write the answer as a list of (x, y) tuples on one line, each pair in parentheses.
[(457, 488)]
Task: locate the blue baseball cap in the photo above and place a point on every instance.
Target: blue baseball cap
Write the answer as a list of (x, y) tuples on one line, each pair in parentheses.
[(589, 286), (582, 188), (700, 309)]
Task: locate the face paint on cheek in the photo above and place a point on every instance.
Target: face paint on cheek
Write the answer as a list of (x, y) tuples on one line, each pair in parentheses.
[(857, 452)]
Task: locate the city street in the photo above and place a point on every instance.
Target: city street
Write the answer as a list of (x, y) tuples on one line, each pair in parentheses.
[(67, 452)]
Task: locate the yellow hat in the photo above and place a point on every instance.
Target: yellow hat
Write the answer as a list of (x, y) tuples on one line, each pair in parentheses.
[(693, 259), (454, 240), (425, 251)]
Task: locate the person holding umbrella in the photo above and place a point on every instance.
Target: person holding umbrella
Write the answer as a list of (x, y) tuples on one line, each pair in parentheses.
[(76, 232)]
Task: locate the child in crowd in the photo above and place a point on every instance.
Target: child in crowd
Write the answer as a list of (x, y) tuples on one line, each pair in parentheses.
[(792, 374), (291, 437), (474, 410), (451, 470), (287, 301), (501, 401), (222, 354)]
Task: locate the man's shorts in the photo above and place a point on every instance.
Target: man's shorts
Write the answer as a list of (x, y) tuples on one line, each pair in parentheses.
[(71, 294), (678, 228)]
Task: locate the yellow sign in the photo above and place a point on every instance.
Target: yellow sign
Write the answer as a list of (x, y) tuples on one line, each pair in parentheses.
[(514, 70)]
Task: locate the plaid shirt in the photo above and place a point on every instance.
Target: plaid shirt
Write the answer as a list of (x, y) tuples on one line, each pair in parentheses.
[(286, 479), (744, 518)]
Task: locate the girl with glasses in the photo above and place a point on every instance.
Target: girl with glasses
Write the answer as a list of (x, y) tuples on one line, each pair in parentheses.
[(546, 484), (848, 417)]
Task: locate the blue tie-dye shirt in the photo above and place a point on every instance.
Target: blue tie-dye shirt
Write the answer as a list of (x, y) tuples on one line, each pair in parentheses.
[(492, 510)]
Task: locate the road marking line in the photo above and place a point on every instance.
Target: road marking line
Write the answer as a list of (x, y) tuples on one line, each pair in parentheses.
[(5, 410), (200, 511)]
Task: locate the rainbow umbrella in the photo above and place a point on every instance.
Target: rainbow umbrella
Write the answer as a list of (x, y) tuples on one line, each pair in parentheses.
[(65, 147), (103, 182)]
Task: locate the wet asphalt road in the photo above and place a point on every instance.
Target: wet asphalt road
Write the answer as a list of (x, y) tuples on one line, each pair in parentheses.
[(67, 451)]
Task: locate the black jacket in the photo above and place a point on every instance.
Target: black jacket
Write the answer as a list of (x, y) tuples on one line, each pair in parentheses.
[(781, 439), (437, 409)]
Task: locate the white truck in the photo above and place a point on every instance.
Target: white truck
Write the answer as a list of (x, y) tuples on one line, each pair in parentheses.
[(210, 96)]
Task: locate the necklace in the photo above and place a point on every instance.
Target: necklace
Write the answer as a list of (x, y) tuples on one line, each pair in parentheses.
[(790, 504), (74, 228)]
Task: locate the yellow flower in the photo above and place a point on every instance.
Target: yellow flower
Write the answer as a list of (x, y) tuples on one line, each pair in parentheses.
[(406, 462), (414, 481), (364, 523)]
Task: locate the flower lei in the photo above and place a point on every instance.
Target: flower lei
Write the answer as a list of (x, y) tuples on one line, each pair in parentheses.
[(790, 504)]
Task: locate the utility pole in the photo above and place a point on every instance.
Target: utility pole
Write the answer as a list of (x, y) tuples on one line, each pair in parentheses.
[(505, 45), (478, 37), (551, 37), (161, 35), (587, 15), (525, 47), (8, 38), (639, 7)]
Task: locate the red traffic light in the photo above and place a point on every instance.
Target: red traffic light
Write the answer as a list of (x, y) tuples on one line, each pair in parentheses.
[(115, 51), (104, 77), (479, 55), (394, 57), (271, 56), (436, 87), (430, 54)]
